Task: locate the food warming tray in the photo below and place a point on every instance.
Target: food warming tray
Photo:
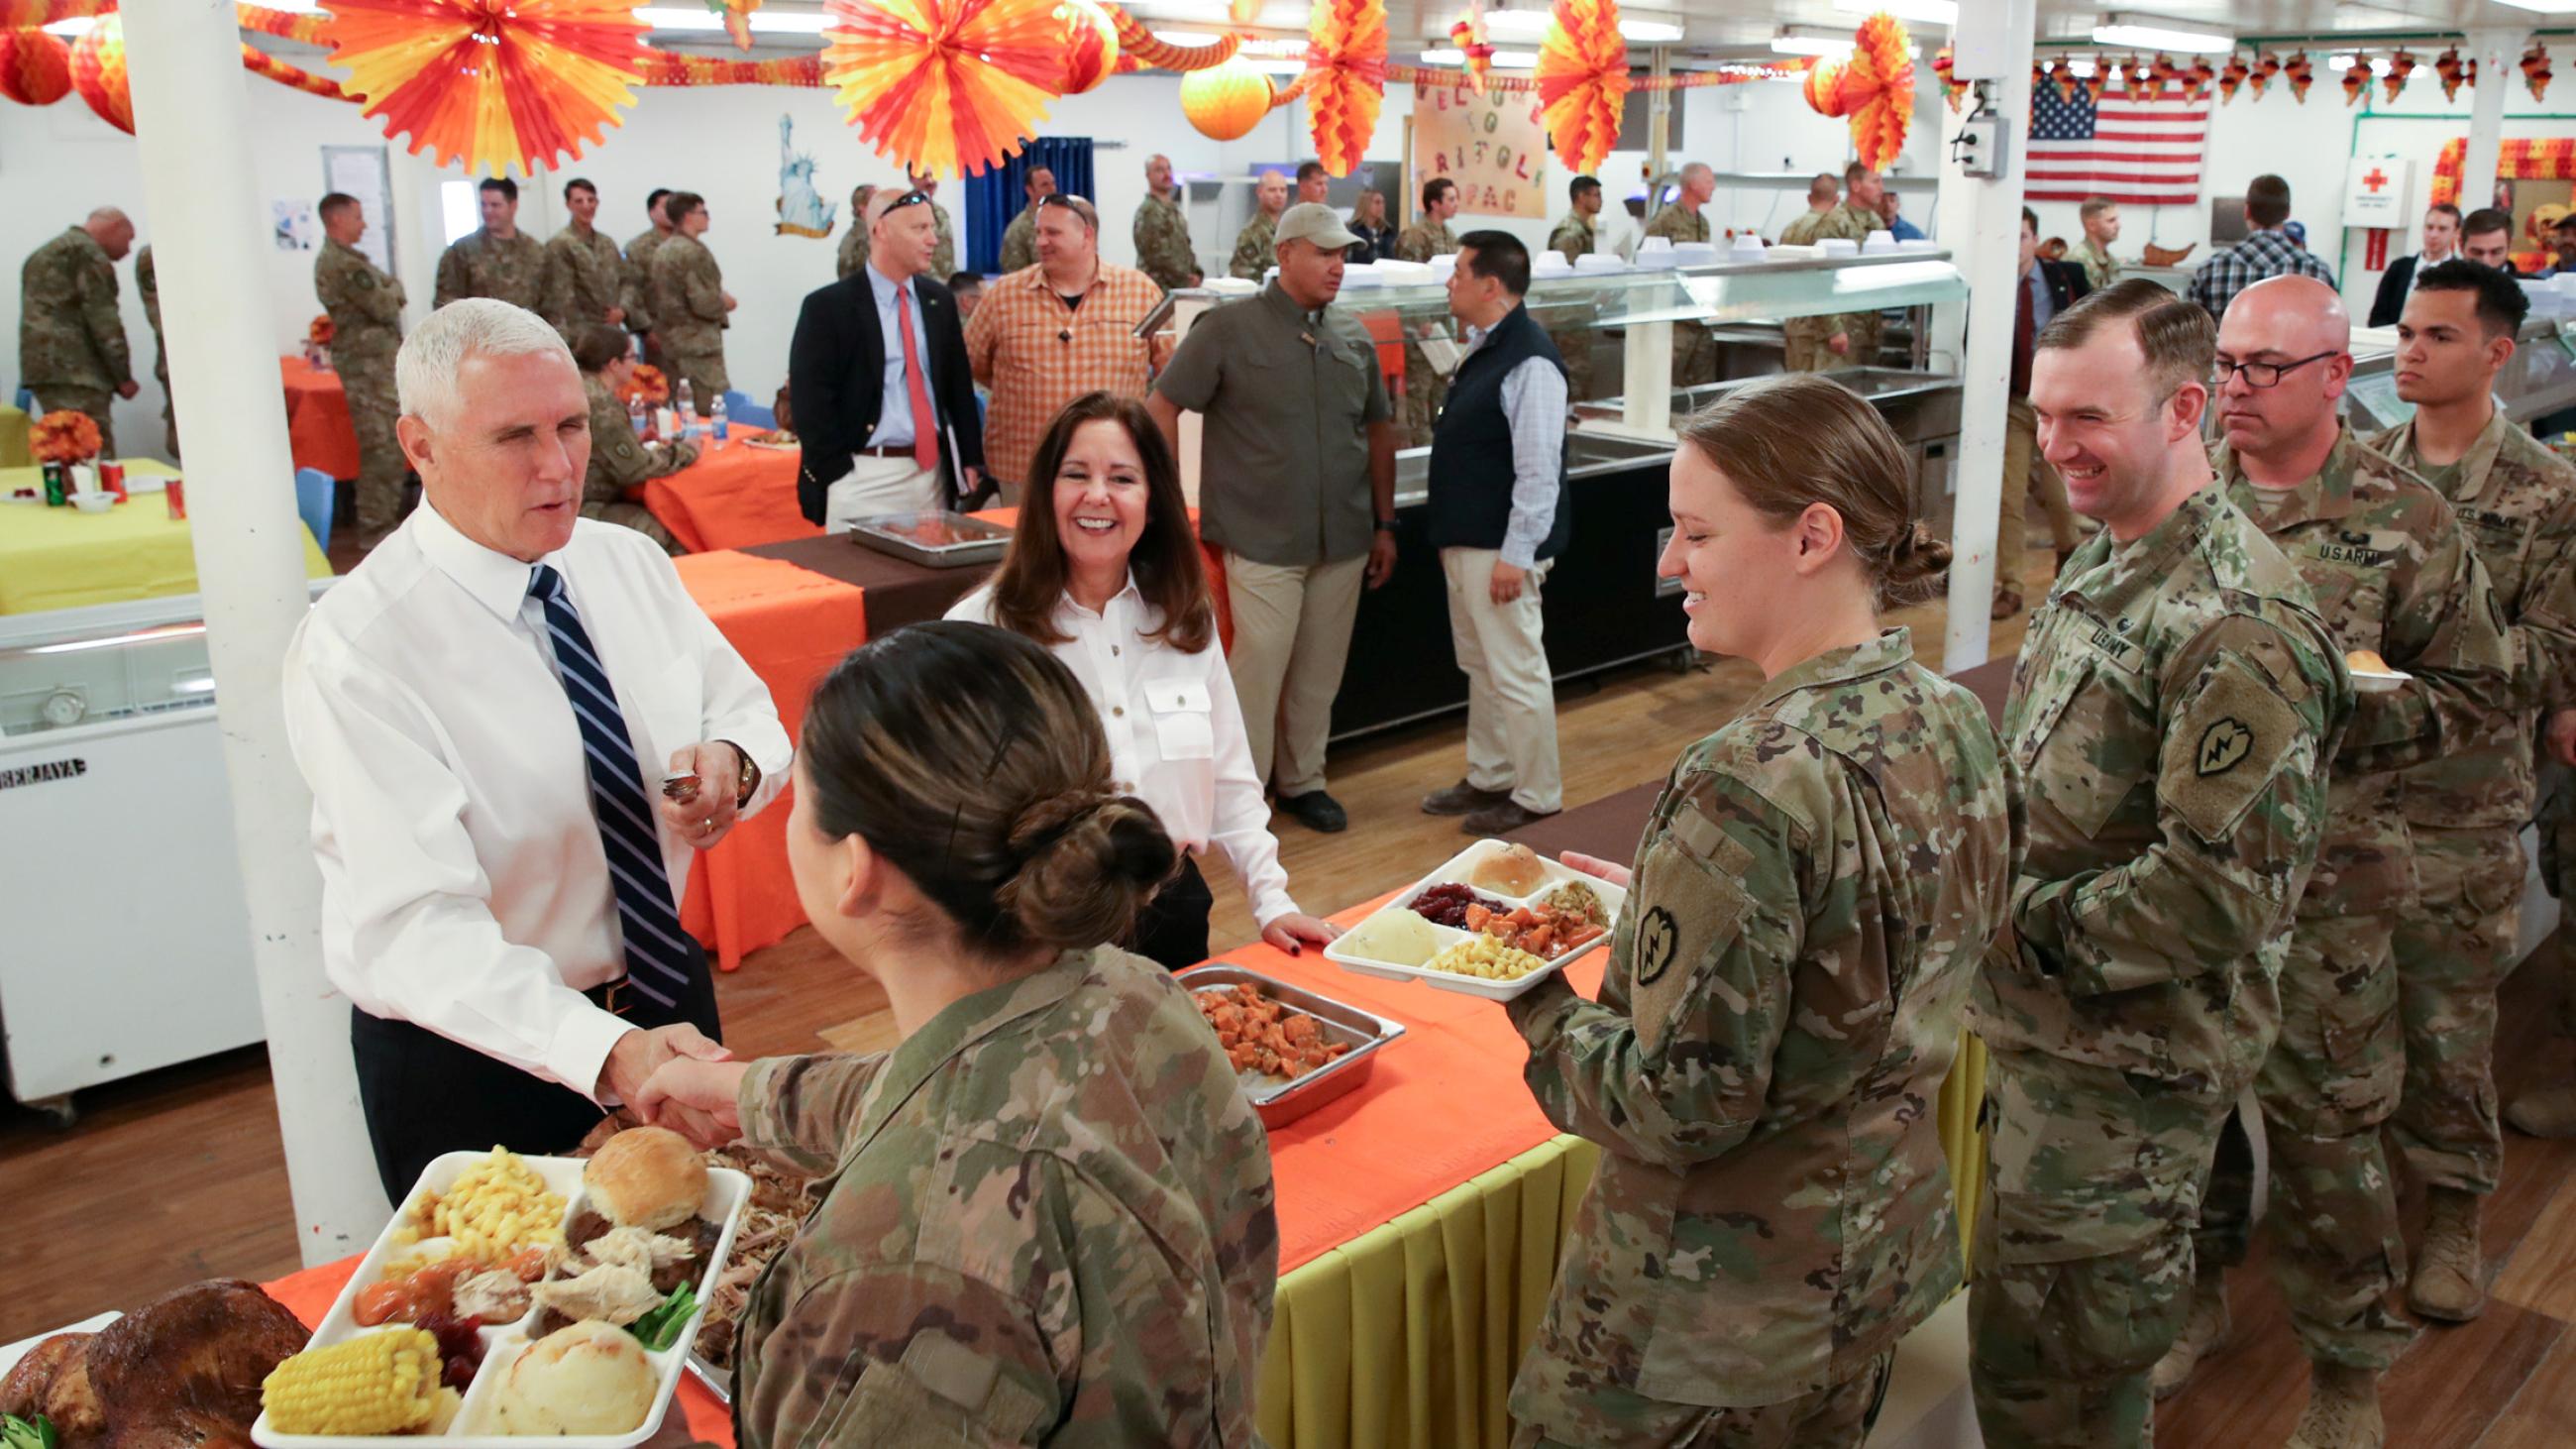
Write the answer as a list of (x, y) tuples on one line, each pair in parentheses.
[(935, 539), (1366, 1033)]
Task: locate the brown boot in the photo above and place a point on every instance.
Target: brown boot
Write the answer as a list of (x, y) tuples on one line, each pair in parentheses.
[(2450, 1279), (2545, 1111), (2343, 1410), (2203, 1334)]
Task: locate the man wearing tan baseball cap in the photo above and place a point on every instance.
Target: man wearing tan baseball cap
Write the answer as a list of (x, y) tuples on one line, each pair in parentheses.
[(1297, 485)]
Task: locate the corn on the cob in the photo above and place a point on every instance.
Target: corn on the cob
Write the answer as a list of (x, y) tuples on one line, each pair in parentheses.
[(375, 1383)]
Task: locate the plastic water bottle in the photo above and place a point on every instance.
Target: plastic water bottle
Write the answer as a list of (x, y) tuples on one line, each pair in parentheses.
[(635, 417), (718, 424), (688, 409)]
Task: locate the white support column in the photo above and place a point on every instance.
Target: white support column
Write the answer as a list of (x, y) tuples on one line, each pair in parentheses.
[(2498, 54), (1986, 251), (191, 123)]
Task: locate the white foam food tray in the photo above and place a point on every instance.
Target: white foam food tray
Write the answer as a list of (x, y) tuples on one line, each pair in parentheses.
[(2372, 681), (727, 1192), (1456, 870)]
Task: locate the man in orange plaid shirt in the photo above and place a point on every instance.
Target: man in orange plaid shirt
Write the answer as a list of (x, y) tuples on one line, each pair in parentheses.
[(1045, 336)]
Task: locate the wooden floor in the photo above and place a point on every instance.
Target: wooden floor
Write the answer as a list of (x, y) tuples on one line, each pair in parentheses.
[(179, 1175)]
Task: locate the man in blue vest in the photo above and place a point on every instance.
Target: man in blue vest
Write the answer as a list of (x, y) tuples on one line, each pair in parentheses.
[(1498, 518)]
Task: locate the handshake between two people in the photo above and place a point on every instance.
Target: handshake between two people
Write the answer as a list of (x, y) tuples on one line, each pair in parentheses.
[(676, 1077)]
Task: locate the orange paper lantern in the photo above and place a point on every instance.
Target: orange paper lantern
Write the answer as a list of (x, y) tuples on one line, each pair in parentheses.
[(1090, 46), (1225, 101), (1583, 80), (98, 72), (1345, 78), (1875, 87), (35, 68)]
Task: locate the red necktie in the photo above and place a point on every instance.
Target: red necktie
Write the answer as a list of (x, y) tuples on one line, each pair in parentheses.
[(925, 439)]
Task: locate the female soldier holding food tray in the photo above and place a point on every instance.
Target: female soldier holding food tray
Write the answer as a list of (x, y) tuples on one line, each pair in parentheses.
[(1772, 1210)]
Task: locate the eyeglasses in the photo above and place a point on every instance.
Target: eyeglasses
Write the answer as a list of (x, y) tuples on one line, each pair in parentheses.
[(909, 198), (2266, 374), (1064, 199)]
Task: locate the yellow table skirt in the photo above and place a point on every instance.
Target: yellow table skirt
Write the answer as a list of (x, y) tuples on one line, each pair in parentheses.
[(62, 558), (1406, 1337), (14, 427)]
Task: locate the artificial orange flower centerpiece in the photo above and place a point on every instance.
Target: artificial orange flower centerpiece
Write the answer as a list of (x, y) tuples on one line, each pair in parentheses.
[(63, 436), (646, 384)]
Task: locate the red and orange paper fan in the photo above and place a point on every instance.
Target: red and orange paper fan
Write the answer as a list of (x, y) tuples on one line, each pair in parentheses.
[(98, 72), (1875, 87), (1583, 80), (497, 84), (1345, 78), (35, 68), (955, 87), (63, 436)]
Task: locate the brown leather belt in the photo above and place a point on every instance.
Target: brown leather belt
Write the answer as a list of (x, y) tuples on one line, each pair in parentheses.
[(904, 451)]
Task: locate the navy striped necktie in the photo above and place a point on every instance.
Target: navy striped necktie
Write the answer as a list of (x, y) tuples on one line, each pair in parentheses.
[(658, 957)]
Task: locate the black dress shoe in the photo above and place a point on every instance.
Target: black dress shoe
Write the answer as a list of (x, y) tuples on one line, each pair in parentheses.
[(1461, 798), (1316, 811)]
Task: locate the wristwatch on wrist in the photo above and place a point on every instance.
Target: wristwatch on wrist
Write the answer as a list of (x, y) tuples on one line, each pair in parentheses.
[(1386, 525), (749, 780)]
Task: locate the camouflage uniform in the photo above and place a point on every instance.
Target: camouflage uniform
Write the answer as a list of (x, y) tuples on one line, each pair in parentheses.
[(620, 463), (1573, 239), (1694, 346), (1256, 248), (2101, 269), (1047, 1219), (480, 264), (2175, 698), (365, 303), (854, 248), (690, 317), (1020, 241), (943, 252), (71, 339), (585, 278), (1807, 337), (2517, 502), (148, 284), (1772, 1210), (2391, 571), (1163, 250), (1425, 389), (639, 273)]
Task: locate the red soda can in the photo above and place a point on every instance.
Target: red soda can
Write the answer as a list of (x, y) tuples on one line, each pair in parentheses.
[(176, 497), (111, 476)]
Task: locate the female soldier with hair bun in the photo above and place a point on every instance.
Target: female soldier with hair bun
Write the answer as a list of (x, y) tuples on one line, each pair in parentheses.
[(1820, 877), (1049, 1215)]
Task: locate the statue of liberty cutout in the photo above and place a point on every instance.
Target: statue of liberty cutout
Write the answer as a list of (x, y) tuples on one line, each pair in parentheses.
[(802, 211)]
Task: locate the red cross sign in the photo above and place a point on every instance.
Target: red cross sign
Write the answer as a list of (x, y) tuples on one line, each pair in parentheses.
[(2376, 179)]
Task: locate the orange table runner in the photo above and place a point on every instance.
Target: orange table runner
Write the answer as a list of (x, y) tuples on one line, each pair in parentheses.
[(318, 431), (736, 496)]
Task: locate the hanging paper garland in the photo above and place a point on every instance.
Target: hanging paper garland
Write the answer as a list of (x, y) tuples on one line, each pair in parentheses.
[(32, 14), (2535, 70), (2062, 75), (1467, 32), (1875, 87), (1090, 46), (497, 84), (1953, 90), (2196, 78), (1582, 81), (2233, 76), (2265, 68), (671, 68), (1345, 78), (98, 72), (2400, 67), (2356, 78), (1225, 101), (2448, 67), (955, 87), (1135, 41), (35, 68), (2095, 84), (737, 19), (260, 63), (2302, 75)]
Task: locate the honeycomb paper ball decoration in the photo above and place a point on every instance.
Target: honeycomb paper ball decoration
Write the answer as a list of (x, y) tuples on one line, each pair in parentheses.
[(1225, 101), (1090, 46), (98, 72), (35, 68)]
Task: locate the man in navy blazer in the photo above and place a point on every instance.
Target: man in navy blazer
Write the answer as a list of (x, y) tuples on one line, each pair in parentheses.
[(878, 381), (2441, 243)]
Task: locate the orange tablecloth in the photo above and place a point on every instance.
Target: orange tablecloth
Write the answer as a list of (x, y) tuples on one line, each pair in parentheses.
[(1441, 1106), (318, 430), (736, 496)]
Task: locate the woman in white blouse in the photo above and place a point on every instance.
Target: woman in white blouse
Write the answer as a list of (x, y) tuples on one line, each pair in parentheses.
[(1105, 570)]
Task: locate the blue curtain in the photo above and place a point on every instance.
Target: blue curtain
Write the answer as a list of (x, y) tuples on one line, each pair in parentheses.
[(995, 197)]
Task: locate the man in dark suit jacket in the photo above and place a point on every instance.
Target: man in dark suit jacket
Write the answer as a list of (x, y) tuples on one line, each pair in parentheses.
[(2441, 243), (888, 420)]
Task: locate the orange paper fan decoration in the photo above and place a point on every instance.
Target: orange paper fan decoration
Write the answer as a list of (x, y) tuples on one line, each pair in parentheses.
[(35, 68), (1583, 80), (63, 436), (1875, 87), (955, 87), (1345, 78), (98, 72), (498, 84)]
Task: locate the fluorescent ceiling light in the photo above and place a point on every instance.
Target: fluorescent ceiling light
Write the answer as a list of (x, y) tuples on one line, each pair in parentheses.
[(2543, 7), (1928, 12), (69, 29), (1635, 30), (2379, 64), (1187, 37), (763, 22), (2159, 37)]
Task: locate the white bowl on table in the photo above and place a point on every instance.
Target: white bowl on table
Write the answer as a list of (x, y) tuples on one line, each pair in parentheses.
[(93, 502)]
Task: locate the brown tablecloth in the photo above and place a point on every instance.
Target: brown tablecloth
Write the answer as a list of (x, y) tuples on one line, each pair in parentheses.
[(899, 592)]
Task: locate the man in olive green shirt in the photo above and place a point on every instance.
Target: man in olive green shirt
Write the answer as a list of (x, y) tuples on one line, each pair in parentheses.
[(639, 271), (1162, 230), (1020, 239), (1425, 387), (1574, 239), (499, 261), (1694, 348), (2101, 216), (365, 304), (586, 283), (943, 252), (1297, 485), (1257, 242), (1848, 339)]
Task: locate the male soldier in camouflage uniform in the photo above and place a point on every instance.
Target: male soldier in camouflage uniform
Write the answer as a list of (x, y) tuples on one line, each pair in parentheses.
[(365, 303), (148, 283), (2465, 812), (1772, 1209), (690, 302), (620, 462), (1806, 345), (1574, 240), (854, 242), (1694, 347), (500, 261), (1255, 244), (1162, 230), (639, 271), (1425, 386), (585, 274), (1020, 238), (2391, 572), (943, 254), (2175, 702), (1847, 339), (71, 339)]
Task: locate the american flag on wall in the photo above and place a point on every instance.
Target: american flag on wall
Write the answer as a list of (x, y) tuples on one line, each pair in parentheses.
[(2142, 153)]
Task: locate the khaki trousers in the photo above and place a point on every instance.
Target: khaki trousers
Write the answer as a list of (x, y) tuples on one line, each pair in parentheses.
[(878, 485), (1511, 693), (2025, 472), (1292, 635)]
